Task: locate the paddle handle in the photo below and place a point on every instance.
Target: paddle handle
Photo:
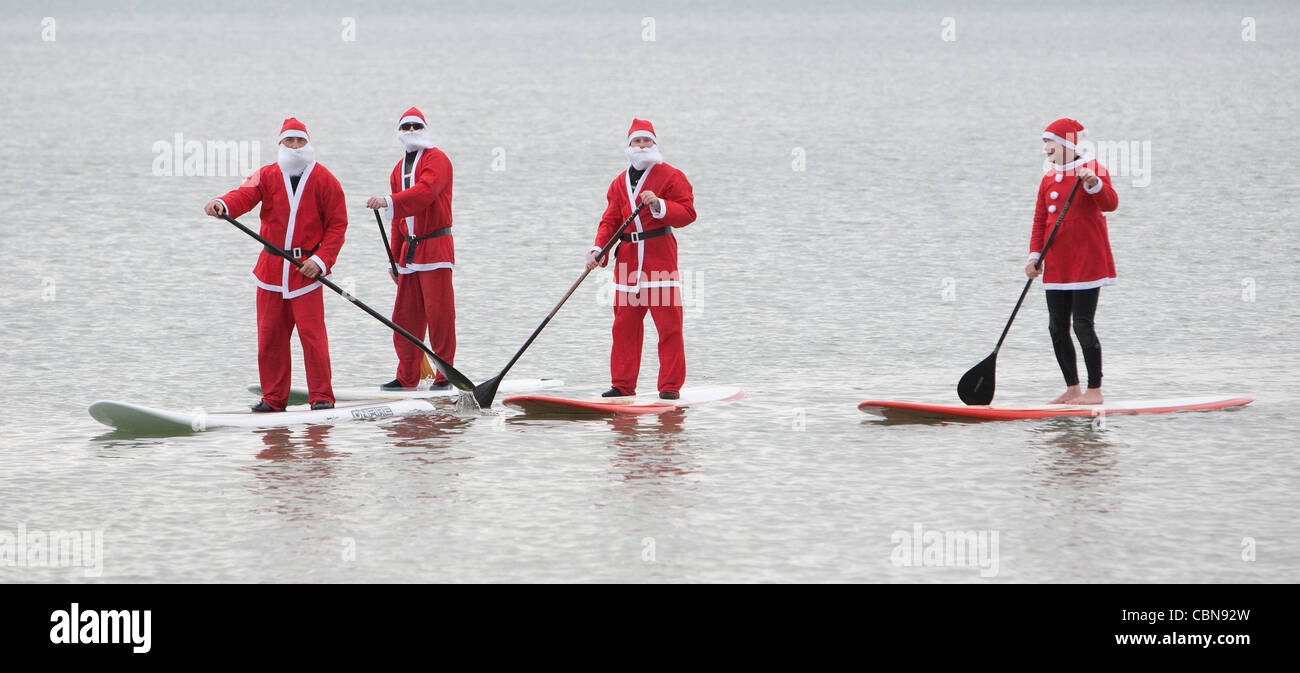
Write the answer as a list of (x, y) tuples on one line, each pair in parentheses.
[(387, 248), (613, 239), (455, 377), (1038, 263)]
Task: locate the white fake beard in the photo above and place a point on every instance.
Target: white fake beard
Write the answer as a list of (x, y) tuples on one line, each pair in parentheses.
[(294, 162), (644, 157), (415, 140)]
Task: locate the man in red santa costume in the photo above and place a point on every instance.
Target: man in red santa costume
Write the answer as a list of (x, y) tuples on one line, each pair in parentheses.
[(302, 212), (1080, 259), (646, 277), (421, 241)]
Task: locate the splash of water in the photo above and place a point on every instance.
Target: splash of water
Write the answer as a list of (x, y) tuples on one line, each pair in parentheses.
[(468, 406)]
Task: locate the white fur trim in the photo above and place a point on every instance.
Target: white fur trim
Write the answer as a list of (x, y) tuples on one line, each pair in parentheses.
[(224, 207), (631, 199), (1033, 256), (303, 290), (1048, 135), (642, 134), (324, 270), (663, 209), (277, 288), (412, 268), (411, 118), (1086, 285), (293, 133), (388, 210), (1073, 164), (1100, 184), (264, 286), (647, 284)]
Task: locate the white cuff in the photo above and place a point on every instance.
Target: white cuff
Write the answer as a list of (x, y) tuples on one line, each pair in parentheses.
[(663, 209), (1100, 184), (324, 270), (388, 212), (1034, 256), (224, 208)]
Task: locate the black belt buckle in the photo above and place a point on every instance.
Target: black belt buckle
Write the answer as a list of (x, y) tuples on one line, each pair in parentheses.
[(297, 253), (634, 237)]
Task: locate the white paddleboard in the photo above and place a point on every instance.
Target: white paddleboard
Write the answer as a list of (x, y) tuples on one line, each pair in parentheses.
[(298, 394), (141, 419), (614, 406)]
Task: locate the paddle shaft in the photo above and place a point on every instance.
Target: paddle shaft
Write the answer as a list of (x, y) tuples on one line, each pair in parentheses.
[(455, 377), (387, 248), (613, 239), (1038, 263)]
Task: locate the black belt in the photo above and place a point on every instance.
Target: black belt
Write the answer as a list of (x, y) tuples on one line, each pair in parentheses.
[(297, 253), (638, 236), (412, 241)]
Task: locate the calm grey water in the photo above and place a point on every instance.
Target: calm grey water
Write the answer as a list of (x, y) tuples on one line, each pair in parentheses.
[(882, 270)]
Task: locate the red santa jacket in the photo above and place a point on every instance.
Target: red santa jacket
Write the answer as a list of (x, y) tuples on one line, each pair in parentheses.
[(652, 262), (1080, 256), (313, 221), (420, 205)]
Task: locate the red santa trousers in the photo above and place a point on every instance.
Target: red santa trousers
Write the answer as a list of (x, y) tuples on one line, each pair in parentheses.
[(425, 302), (276, 319), (665, 307)]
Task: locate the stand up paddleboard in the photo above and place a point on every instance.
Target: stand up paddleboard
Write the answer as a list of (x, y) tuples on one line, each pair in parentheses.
[(614, 406), (298, 394), (1012, 412), (141, 419)]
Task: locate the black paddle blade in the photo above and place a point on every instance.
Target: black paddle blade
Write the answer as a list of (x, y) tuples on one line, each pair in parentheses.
[(486, 391), (976, 386)]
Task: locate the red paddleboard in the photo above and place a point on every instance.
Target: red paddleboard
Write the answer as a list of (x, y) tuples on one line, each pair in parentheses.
[(613, 406), (1011, 412)]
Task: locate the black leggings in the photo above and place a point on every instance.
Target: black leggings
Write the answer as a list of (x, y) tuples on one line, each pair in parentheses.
[(1082, 304)]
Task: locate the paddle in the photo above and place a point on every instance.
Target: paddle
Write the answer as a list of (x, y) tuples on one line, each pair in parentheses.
[(487, 390), (426, 370), (976, 386), (456, 378)]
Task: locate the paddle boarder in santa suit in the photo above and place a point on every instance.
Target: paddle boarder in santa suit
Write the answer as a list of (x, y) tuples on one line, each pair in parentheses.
[(646, 277), (1079, 261), (303, 210), (421, 243)]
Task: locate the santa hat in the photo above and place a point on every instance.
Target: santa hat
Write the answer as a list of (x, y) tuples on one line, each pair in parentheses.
[(412, 115), (1064, 131), (641, 129), (293, 128)]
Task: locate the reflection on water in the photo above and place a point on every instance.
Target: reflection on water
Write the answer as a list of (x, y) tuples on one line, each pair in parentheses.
[(426, 431), (1078, 455), (296, 467), (650, 449)]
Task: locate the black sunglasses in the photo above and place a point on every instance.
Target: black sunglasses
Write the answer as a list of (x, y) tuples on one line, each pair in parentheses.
[(410, 126)]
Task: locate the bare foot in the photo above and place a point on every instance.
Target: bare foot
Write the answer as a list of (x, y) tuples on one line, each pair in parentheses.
[(1069, 394), (1093, 396)]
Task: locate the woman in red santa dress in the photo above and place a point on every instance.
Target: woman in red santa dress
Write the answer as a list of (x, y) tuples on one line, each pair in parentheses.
[(646, 277), (1079, 261), (304, 213), (421, 243)]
